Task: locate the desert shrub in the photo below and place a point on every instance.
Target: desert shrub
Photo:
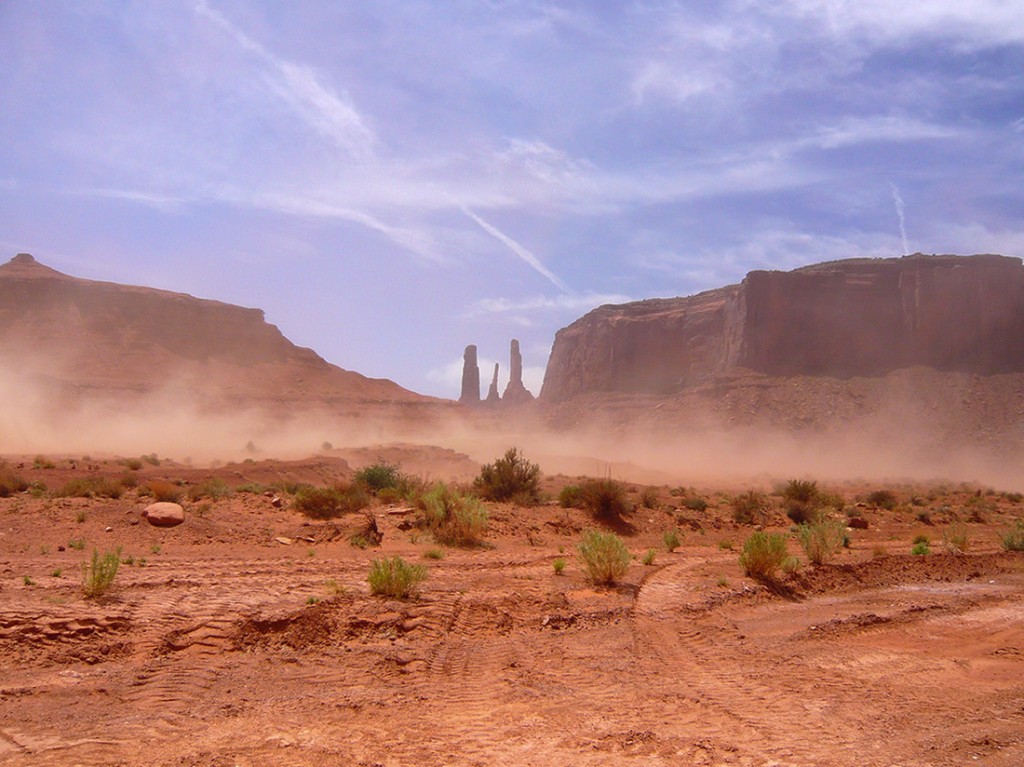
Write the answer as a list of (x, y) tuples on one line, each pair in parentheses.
[(510, 477), (920, 538), (821, 540), (604, 556), (955, 537), (289, 486), (802, 500), (90, 487), (695, 503), (921, 548), (379, 476), (162, 490), (255, 488), (77, 544), (604, 498), (979, 509), (433, 554), (395, 577), (151, 459), (9, 481), (98, 576), (882, 499), (559, 565), (570, 496), (649, 497), (671, 539), (329, 502), (1014, 539), (750, 508), (42, 462), (213, 488), (831, 501), (133, 464), (763, 554), (924, 517), (452, 517), (649, 557), (1013, 498)]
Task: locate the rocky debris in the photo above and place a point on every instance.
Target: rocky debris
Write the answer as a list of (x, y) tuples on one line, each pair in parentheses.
[(844, 319), (515, 391), (493, 398), (470, 377), (164, 514)]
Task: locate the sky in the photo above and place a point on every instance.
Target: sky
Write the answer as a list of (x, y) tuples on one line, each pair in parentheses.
[(391, 181)]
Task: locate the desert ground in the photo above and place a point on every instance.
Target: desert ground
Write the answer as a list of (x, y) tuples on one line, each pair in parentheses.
[(248, 634)]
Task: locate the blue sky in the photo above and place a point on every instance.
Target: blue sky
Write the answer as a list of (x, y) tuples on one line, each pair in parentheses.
[(391, 181)]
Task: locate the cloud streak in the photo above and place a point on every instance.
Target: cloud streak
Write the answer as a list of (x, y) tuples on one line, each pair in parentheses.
[(527, 257)]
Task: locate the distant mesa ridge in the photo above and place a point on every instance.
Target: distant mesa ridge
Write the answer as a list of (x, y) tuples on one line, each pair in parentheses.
[(104, 337), (859, 317)]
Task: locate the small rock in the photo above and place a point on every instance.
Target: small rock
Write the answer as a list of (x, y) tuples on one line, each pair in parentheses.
[(108, 529), (164, 514), (284, 541), (60, 548), (276, 502)]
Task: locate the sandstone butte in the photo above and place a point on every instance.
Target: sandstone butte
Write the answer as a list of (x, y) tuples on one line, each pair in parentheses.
[(859, 317), (89, 338)]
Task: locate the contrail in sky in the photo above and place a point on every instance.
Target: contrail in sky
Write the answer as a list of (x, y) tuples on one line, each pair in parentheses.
[(519, 250), (899, 212)]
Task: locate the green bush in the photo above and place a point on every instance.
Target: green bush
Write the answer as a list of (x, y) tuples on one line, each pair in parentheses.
[(330, 502), (90, 487), (821, 540), (163, 491), (750, 508), (395, 577), (649, 497), (453, 518), (956, 538), (510, 477), (379, 476), (98, 576), (649, 557), (570, 497), (604, 498), (695, 503), (921, 549), (213, 488), (671, 539), (882, 499), (802, 500), (559, 565), (1014, 539), (763, 554), (10, 482), (604, 556)]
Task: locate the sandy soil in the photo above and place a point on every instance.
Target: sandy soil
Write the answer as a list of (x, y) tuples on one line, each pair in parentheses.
[(247, 636)]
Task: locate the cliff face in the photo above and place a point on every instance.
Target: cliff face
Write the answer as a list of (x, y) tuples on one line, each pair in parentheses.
[(102, 337), (862, 317)]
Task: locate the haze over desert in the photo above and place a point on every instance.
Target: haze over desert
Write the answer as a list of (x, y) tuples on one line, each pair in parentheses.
[(521, 383)]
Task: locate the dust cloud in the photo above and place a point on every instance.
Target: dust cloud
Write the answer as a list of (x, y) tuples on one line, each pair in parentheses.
[(645, 445)]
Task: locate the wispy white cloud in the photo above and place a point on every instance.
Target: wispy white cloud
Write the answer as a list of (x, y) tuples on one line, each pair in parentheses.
[(168, 203), (531, 260), (558, 304), (301, 88)]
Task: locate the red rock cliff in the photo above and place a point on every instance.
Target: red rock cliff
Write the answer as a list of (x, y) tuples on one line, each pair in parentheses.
[(861, 317)]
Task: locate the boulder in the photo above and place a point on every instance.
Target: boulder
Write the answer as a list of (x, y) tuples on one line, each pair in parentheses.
[(164, 514)]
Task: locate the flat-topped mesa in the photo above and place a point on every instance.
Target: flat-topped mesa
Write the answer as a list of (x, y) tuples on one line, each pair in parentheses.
[(470, 377), (515, 391), (860, 317)]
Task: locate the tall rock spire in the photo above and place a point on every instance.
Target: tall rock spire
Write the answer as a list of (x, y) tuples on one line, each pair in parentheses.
[(516, 392), (470, 377)]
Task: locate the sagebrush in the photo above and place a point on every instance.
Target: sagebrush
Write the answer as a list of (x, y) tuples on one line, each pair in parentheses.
[(395, 577), (822, 539), (452, 517), (509, 478), (763, 555), (604, 556), (605, 499), (330, 502), (98, 576)]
